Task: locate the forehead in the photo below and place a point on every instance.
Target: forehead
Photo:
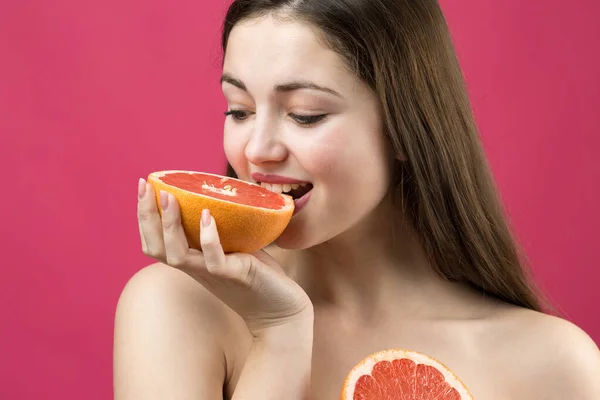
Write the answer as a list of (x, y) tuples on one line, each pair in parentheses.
[(268, 50)]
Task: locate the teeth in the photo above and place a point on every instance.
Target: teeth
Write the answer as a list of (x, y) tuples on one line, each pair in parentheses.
[(282, 188)]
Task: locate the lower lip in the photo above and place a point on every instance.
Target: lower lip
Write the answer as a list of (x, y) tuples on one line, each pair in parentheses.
[(301, 202)]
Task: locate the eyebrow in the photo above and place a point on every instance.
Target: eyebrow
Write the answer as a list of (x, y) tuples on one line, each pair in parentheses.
[(282, 88)]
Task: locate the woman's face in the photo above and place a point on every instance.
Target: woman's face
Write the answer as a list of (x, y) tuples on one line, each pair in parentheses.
[(297, 114)]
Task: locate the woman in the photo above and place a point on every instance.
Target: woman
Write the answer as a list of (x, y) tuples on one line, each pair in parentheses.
[(399, 239)]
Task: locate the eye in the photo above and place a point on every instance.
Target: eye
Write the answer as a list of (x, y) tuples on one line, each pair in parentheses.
[(307, 119), (237, 115)]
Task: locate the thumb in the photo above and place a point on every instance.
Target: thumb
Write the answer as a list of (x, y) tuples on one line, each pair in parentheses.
[(214, 257), (238, 267)]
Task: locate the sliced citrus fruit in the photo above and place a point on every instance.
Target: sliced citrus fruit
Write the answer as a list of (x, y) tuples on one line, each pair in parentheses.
[(399, 374), (248, 216)]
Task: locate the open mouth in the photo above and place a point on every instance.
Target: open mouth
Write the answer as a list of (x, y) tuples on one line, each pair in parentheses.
[(295, 190)]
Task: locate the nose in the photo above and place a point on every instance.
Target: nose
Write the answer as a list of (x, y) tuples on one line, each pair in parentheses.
[(264, 145)]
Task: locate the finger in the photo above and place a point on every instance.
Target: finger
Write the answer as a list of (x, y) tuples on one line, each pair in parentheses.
[(238, 267), (141, 194), (149, 221), (176, 245), (214, 257)]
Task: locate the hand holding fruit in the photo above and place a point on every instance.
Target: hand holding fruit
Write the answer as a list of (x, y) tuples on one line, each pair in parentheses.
[(253, 285)]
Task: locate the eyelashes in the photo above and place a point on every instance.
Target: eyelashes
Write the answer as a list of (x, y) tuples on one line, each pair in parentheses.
[(237, 115), (307, 119), (304, 120)]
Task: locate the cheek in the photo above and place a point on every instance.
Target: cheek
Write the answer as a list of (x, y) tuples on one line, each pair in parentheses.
[(233, 146), (349, 157)]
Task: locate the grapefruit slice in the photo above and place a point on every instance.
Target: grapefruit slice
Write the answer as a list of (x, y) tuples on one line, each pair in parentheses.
[(400, 374), (248, 216)]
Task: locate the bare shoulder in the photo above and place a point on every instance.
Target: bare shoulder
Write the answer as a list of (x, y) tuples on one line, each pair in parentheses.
[(172, 338), (548, 357)]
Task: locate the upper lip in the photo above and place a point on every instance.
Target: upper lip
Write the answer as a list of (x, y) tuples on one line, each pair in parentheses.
[(268, 178)]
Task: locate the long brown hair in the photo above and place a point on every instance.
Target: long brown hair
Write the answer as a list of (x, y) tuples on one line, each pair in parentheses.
[(403, 50)]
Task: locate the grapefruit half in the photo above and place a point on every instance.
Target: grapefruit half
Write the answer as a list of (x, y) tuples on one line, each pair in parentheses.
[(399, 374), (248, 216)]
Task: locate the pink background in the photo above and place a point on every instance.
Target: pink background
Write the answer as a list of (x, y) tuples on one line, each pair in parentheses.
[(94, 94)]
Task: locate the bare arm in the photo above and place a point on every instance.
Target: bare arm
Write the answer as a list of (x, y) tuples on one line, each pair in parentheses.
[(170, 339), (166, 339)]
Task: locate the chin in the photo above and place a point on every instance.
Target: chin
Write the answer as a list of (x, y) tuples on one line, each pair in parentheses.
[(296, 237), (292, 240)]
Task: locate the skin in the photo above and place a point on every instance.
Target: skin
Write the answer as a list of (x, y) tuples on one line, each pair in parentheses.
[(346, 279)]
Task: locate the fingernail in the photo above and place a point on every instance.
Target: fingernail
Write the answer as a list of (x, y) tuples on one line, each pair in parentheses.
[(141, 188), (164, 200), (205, 218)]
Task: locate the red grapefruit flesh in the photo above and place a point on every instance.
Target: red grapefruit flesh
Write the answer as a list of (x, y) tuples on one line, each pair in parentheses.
[(400, 374)]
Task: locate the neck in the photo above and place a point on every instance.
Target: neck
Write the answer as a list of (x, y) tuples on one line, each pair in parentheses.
[(377, 262)]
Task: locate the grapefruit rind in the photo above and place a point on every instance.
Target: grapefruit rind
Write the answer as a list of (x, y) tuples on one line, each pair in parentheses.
[(365, 367), (242, 228)]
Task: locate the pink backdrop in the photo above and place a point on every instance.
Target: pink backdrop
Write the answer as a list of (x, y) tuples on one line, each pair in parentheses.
[(94, 94)]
